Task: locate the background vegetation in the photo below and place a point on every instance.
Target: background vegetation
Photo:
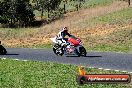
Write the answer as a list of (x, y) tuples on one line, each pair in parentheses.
[(36, 74), (21, 13)]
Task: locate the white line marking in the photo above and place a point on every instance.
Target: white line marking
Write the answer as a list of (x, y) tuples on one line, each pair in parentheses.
[(3, 58), (16, 59), (91, 67), (130, 72), (100, 68), (124, 71), (24, 60), (107, 69), (116, 70)]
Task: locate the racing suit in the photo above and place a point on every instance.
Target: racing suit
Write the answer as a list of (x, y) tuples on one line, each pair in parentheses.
[(60, 38)]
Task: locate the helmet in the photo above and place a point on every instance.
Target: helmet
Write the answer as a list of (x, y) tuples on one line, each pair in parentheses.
[(65, 29)]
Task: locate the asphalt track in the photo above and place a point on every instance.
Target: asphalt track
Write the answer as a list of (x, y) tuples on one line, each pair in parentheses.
[(106, 60)]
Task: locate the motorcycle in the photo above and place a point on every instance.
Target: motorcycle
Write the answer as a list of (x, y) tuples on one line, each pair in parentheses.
[(74, 47), (2, 50)]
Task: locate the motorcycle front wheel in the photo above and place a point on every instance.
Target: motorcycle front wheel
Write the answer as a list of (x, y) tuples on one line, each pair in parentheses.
[(58, 50), (82, 51)]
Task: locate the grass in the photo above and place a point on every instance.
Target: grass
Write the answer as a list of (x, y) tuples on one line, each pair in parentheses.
[(118, 41), (35, 46), (36, 74), (122, 16), (107, 48), (94, 3), (87, 4), (114, 37), (119, 17), (17, 32), (70, 6)]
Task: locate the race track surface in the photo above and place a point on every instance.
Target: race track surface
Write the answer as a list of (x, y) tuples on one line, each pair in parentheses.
[(106, 60)]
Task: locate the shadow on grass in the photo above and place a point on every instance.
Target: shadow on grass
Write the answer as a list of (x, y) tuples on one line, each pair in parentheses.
[(34, 24)]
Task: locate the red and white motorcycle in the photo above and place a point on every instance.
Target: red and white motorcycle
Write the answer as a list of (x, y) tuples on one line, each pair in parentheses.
[(74, 47)]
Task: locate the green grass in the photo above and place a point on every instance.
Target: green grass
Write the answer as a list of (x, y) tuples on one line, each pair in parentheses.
[(118, 17), (119, 41), (36, 74), (108, 48), (88, 4), (121, 16), (94, 3)]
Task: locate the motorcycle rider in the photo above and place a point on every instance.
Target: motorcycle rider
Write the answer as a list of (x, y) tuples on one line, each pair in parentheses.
[(2, 49), (60, 38)]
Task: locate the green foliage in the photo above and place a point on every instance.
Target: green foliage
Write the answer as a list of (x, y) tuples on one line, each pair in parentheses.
[(24, 12), (14, 12), (46, 5), (20, 12), (3, 11), (78, 3)]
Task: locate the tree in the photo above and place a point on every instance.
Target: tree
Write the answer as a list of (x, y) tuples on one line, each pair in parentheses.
[(47, 6), (4, 6), (24, 12), (52, 5), (65, 2), (78, 3), (129, 2), (15, 12)]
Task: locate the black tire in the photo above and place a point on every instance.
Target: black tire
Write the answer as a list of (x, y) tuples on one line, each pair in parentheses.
[(83, 51), (58, 54), (76, 51), (56, 46), (81, 80), (2, 50)]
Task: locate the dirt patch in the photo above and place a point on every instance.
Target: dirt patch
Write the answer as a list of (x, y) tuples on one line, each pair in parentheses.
[(102, 30)]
